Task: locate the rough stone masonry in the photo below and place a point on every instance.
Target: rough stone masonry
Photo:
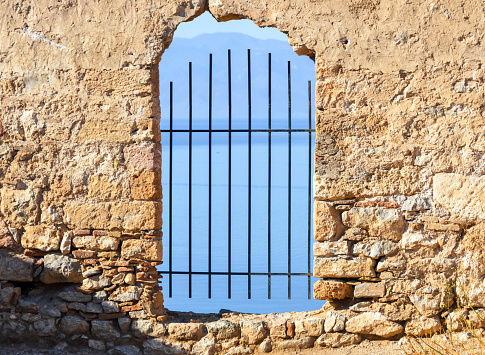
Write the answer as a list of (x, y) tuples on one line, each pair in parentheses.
[(399, 173)]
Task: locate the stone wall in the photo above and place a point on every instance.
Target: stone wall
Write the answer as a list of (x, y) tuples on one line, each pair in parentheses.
[(399, 167)]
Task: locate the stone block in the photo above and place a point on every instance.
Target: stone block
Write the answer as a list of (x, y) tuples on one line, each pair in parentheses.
[(414, 241), (142, 249), (384, 223), (96, 282), (374, 249), (278, 328), (41, 238), (160, 346), (423, 326), (15, 267), (462, 195), (332, 289), (224, 329), (370, 290), (252, 332), (186, 331), (303, 343), (327, 225), (343, 268), (126, 294), (129, 216), (373, 323), (7, 240), (96, 243), (146, 185), (416, 203), (74, 325), (312, 327), (144, 156), (21, 207), (66, 243), (104, 329), (144, 327), (103, 187), (331, 248), (337, 340), (334, 322), (72, 295), (60, 268)]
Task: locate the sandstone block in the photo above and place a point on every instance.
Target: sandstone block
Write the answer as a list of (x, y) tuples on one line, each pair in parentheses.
[(160, 346), (186, 331), (60, 268), (41, 238), (334, 322), (15, 267), (96, 282), (96, 243), (343, 268), (126, 294), (383, 223), (337, 340), (103, 187), (205, 346), (463, 195), (312, 327), (373, 323), (332, 289), (21, 207), (374, 249), (423, 326), (331, 248), (370, 290), (145, 156), (252, 332), (224, 329), (130, 216), (146, 185), (143, 327), (303, 343), (142, 249), (413, 241), (327, 225)]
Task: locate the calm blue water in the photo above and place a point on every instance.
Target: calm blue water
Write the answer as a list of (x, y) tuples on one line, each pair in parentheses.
[(259, 302)]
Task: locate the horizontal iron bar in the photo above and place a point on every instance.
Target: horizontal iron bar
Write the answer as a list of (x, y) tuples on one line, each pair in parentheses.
[(237, 130), (236, 273)]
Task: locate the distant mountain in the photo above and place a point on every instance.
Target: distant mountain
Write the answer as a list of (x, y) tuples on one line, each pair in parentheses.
[(174, 67)]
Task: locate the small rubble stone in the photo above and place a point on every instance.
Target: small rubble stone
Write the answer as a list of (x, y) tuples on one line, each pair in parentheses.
[(100, 296), (144, 327), (355, 234), (423, 326), (223, 329), (124, 350), (278, 328), (186, 331), (66, 242), (15, 267), (124, 324), (413, 241), (373, 323), (385, 223), (46, 327), (332, 289), (334, 322), (252, 332), (60, 269), (96, 243), (72, 295), (370, 290), (266, 346), (337, 340), (240, 350), (92, 307), (110, 307), (343, 268), (96, 282)]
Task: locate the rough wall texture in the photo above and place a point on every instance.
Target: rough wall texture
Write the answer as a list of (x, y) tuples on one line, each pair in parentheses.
[(398, 182)]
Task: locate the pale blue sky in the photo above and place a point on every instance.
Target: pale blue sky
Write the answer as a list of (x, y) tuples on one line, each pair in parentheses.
[(205, 23)]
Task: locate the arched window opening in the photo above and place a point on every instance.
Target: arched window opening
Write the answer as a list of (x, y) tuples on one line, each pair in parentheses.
[(237, 143)]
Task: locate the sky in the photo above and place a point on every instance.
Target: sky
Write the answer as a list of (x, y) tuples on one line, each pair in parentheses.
[(205, 23)]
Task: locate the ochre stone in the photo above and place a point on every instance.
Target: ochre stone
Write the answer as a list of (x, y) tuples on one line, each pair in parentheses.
[(143, 249), (146, 186), (336, 267), (41, 238), (332, 289), (327, 224)]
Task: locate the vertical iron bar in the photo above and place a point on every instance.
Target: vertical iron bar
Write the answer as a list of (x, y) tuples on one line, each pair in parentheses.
[(170, 196), (210, 178), (289, 181), (229, 176), (249, 174), (309, 184), (269, 176), (190, 179)]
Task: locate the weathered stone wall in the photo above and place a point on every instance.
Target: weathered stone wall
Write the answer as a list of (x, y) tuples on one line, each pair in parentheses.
[(398, 181)]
